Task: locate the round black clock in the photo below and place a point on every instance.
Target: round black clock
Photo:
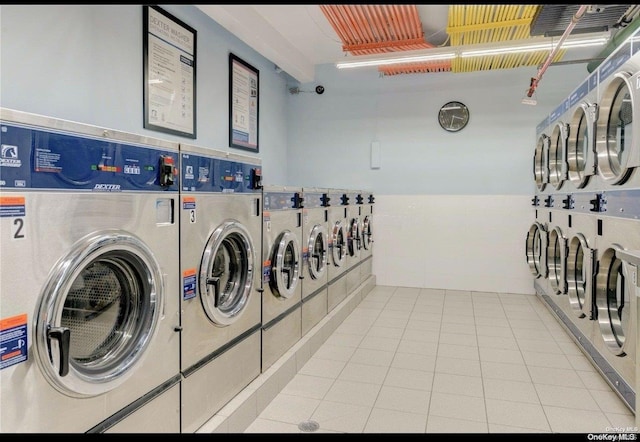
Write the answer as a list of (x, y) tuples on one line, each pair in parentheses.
[(453, 116)]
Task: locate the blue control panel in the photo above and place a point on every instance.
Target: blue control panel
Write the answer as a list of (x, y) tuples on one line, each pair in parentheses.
[(207, 174), (36, 158)]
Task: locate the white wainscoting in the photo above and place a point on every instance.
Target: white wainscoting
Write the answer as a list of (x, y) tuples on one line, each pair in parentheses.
[(457, 242)]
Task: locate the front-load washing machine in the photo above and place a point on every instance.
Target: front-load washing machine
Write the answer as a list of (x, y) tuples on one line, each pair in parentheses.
[(89, 317), (220, 228), (337, 228), (581, 150), (281, 270), (354, 239), (615, 302), (618, 151), (366, 231), (315, 256)]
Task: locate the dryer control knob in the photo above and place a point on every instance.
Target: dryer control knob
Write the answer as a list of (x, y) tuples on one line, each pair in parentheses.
[(535, 201), (568, 203), (548, 201)]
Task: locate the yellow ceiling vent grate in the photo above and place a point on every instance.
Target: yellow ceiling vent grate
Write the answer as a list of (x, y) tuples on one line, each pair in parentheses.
[(478, 24)]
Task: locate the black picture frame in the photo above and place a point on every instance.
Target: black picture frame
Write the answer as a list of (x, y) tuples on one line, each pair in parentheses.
[(244, 105), (169, 54)]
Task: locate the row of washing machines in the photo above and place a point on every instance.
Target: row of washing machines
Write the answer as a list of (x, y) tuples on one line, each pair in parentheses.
[(587, 216), (146, 283)]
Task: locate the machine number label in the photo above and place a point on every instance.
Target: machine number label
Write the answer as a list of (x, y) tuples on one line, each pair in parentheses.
[(18, 224), (192, 216), (13, 340)]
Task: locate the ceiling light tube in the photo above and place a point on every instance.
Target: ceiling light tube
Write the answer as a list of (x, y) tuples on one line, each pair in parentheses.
[(398, 60), (578, 43)]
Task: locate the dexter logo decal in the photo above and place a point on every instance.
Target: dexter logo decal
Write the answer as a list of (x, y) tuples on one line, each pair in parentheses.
[(9, 156), (107, 187)]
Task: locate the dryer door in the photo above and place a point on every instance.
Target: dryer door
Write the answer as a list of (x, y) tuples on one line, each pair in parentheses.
[(613, 301), (97, 314), (353, 238), (535, 246), (285, 265), (580, 272), (540, 162), (616, 156), (338, 244), (367, 239), (580, 144), (317, 247), (557, 155), (226, 273), (556, 261)]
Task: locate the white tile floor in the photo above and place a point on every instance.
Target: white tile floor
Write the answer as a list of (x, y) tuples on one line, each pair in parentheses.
[(410, 360)]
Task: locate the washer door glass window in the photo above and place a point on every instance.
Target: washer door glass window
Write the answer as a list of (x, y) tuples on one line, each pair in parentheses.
[(285, 265), (614, 144), (226, 273), (98, 313), (317, 247), (338, 244)]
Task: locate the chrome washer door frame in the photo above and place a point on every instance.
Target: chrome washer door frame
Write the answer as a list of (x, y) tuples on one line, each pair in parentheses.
[(317, 247), (536, 246), (580, 274), (612, 167), (285, 265), (367, 239), (109, 290), (614, 308), (224, 292), (353, 238), (557, 260), (338, 244)]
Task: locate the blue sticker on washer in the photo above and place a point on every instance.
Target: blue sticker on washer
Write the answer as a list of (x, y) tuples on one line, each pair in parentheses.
[(189, 284), (13, 340)]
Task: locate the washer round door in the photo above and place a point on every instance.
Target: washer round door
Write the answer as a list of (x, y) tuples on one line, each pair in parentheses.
[(367, 238), (97, 314), (226, 273), (353, 238), (614, 144), (556, 260), (580, 142), (540, 162), (536, 245), (285, 265), (579, 274), (338, 244), (317, 246), (613, 292), (557, 154)]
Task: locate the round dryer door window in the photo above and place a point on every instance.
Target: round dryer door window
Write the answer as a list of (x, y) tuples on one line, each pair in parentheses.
[(367, 239), (338, 244), (285, 260), (557, 150), (226, 273), (613, 292), (536, 243), (317, 247), (579, 145), (97, 314), (579, 272), (353, 239), (614, 144)]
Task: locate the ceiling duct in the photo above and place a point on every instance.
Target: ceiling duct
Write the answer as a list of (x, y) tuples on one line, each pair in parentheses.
[(552, 20)]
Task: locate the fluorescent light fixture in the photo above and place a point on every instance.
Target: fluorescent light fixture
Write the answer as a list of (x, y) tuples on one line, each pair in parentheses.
[(397, 60), (488, 49), (578, 43)]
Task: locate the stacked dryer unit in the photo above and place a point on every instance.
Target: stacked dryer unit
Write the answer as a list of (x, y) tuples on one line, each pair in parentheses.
[(220, 227), (315, 256), (354, 238), (366, 231), (338, 231), (89, 313), (281, 270), (601, 197)]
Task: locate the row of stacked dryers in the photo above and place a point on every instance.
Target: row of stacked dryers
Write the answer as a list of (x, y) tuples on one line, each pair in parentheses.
[(587, 209), (146, 283)]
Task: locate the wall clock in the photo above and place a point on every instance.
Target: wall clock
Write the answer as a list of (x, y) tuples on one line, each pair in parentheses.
[(453, 116)]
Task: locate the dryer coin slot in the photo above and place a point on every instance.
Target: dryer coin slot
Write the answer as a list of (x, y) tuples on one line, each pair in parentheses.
[(569, 221), (599, 227)]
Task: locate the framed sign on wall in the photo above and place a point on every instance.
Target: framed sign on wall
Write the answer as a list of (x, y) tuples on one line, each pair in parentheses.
[(244, 93), (169, 66)]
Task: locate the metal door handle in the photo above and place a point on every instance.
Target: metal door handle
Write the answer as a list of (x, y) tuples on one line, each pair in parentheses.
[(63, 336)]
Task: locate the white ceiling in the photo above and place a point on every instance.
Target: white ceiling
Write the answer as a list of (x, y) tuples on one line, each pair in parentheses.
[(298, 37)]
